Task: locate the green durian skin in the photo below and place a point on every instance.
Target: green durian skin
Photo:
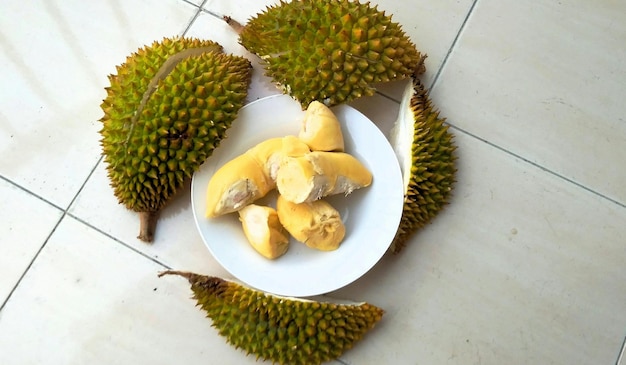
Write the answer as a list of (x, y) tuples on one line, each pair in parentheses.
[(330, 51), (279, 329), (149, 157), (433, 169)]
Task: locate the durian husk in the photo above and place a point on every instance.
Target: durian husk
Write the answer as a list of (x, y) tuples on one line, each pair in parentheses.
[(167, 108), (330, 51), (280, 329), (426, 152)]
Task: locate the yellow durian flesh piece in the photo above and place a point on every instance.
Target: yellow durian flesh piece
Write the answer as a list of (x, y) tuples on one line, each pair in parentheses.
[(264, 231), (267, 155), (321, 130), (236, 184), (251, 175), (318, 174), (316, 224), (271, 152)]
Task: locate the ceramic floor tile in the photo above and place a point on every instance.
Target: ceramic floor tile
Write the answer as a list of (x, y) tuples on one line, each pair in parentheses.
[(53, 104), (89, 300), (432, 26), (177, 242), (26, 223), (545, 81), (520, 268)]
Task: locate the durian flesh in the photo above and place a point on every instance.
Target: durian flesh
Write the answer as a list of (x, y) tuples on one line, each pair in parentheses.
[(318, 174), (281, 329), (317, 224), (167, 108), (330, 51), (321, 130), (264, 230), (425, 150)]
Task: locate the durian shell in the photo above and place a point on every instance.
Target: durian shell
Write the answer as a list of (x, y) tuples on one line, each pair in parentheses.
[(330, 51), (430, 180), (167, 108), (282, 330)]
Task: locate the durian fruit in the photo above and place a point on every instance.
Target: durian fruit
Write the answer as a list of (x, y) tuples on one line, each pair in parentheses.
[(329, 50), (280, 329), (321, 129), (167, 108), (425, 150), (264, 231), (316, 224), (318, 174)]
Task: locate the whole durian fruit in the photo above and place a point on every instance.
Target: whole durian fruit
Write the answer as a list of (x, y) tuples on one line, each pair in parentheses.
[(280, 329), (166, 110), (425, 150), (329, 51)]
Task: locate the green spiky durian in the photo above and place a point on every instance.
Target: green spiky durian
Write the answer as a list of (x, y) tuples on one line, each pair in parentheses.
[(329, 51), (166, 110), (425, 150), (280, 329)]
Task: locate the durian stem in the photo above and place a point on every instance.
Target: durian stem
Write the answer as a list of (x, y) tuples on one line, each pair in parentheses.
[(237, 27), (147, 225), (186, 274)]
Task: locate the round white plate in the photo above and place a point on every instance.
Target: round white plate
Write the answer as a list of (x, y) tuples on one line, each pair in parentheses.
[(371, 215)]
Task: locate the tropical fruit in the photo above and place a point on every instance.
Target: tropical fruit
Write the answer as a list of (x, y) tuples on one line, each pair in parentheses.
[(249, 176), (329, 51), (425, 150), (281, 329), (317, 224), (321, 130), (264, 231), (318, 174), (167, 108)]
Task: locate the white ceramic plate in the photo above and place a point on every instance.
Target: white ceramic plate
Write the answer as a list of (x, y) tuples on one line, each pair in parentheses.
[(371, 215)]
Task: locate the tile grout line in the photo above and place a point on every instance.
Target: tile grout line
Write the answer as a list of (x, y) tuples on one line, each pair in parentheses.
[(31, 193), (45, 242), (193, 19), (117, 240), (19, 281), (622, 353), (453, 45), (542, 168), (192, 4)]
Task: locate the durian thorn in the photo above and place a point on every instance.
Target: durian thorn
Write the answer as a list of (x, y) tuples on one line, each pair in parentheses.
[(237, 27), (147, 225), (421, 66), (166, 68)]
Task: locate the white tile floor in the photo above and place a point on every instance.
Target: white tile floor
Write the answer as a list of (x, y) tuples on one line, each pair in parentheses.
[(527, 265)]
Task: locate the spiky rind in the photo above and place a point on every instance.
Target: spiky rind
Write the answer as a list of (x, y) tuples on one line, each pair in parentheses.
[(330, 51), (154, 139), (433, 168), (279, 329)]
